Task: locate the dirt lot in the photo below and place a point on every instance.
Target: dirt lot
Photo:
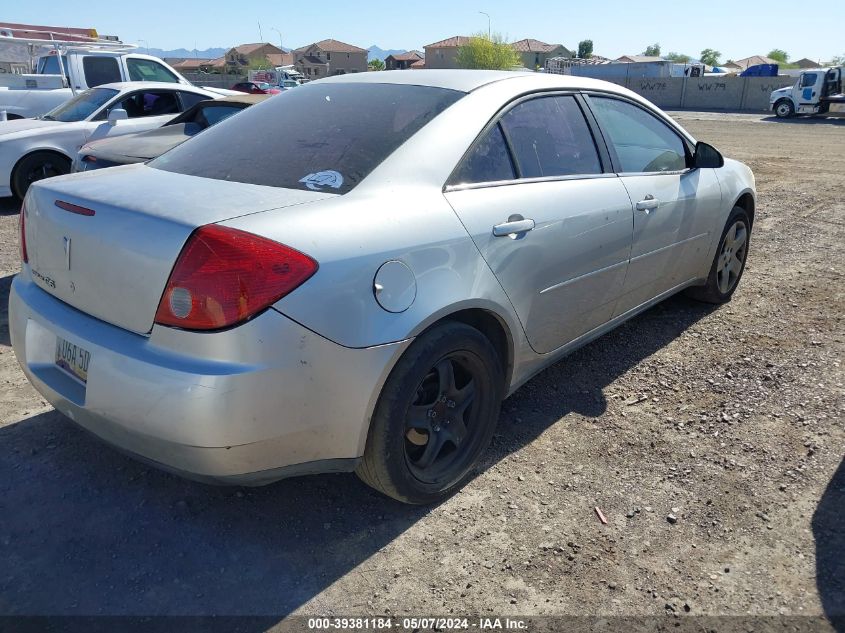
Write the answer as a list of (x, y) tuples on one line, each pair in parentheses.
[(728, 419)]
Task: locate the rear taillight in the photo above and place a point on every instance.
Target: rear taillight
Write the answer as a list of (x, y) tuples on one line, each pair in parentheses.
[(224, 276), (22, 225)]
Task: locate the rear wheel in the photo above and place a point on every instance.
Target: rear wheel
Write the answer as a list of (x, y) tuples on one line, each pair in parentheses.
[(37, 166), (784, 109), (729, 263), (435, 416)]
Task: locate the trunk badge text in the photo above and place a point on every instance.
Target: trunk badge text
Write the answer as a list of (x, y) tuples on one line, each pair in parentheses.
[(67, 252)]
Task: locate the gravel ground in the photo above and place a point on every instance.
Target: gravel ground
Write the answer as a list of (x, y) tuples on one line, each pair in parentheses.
[(711, 439)]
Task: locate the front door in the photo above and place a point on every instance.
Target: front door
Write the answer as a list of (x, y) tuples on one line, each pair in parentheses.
[(673, 205), (554, 229)]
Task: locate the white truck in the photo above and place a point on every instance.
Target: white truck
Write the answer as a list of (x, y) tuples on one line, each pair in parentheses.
[(83, 65), (818, 91)]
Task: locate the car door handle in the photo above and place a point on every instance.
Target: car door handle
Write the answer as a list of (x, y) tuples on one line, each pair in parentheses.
[(515, 226), (648, 204)]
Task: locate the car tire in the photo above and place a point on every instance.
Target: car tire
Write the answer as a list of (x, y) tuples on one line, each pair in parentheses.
[(729, 262), (784, 109), (435, 416), (37, 166)]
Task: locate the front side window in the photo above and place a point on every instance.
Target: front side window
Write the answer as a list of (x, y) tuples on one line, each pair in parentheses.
[(808, 80), (81, 106), (149, 103), (100, 70), (550, 137), (318, 137), (489, 161), (643, 143), (148, 70)]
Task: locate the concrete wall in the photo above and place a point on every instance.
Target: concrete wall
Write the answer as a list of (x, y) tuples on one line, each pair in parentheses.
[(707, 93)]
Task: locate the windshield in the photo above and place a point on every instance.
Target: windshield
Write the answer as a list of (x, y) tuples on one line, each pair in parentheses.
[(322, 137), (81, 106)]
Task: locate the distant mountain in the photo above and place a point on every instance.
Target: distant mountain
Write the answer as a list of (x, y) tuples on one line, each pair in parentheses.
[(379, 53), (209, 53)]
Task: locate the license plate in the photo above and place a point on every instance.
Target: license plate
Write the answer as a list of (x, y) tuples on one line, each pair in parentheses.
[(73, 359)]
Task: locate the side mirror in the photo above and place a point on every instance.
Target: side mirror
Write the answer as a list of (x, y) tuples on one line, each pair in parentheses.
[(707, 157), (118, 114)]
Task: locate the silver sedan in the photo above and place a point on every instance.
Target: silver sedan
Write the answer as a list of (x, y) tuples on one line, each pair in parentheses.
[(353, 276)]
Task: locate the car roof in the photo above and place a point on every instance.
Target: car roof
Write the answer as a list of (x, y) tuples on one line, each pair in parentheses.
[(142, 85), (469, 80), (242, 98)]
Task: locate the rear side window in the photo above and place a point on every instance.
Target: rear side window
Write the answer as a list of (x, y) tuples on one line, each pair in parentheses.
[(322, 137), (100, 70), (190, 99), (489, 160), (641, 141), (550, 137), (148, 70)]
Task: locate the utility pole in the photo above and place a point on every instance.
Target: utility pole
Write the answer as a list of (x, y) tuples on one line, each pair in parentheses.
[(489, 32), (260, 34)]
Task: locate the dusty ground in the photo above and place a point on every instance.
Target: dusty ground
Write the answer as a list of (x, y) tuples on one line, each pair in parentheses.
[(730, 419)]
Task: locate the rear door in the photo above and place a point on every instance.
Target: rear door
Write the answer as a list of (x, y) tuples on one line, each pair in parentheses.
[(674, 206), (553, 226)]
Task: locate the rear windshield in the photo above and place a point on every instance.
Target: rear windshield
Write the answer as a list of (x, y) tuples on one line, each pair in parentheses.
[(323, 137)]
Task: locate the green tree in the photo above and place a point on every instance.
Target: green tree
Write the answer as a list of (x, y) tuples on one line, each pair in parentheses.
[(838, 61), (376, 64), (485, 52), (585, 49), (652, 51), (678, 57), (710, 57), (779, 55)]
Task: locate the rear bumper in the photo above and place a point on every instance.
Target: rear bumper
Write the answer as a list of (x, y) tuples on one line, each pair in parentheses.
[(256, 403)]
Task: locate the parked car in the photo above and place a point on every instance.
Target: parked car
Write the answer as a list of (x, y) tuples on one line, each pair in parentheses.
[(288, 84), (32, 149), (256, 88), (405, 250), (144, 146)]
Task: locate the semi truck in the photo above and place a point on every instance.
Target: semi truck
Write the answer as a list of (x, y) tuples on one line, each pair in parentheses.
[(817, 92)]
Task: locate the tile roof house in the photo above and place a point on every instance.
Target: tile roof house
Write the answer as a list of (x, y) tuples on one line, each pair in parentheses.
[(807, 63), (239, 59), (534, 53), (639, 59), (444, 54), (754, 60), (330, 57), (402, 61)]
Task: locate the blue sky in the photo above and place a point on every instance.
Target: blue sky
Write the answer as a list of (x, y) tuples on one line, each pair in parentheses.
[(738, 28)]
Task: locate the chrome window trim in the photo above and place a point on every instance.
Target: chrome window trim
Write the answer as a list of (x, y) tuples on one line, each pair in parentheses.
[(525, 181)]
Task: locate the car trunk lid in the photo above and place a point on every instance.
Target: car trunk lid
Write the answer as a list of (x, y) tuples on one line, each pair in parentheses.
[(105, 242)]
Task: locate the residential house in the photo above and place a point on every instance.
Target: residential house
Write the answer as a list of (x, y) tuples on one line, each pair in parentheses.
[(534, 53), (239, 59), (807, 63), (402, 61), (444, 54), (193, 65), (330, 57), (754, 60), (638, 59)]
